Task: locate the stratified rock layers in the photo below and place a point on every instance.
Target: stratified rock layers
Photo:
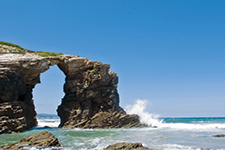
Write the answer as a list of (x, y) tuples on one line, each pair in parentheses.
[(90, 93), (16, 105)]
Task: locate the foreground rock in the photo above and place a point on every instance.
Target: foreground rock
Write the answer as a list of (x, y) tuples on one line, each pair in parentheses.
[(90, 92), (40, 140), (126, 146)]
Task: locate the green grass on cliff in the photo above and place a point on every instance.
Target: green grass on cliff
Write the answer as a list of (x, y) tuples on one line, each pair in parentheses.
[(46, 54), (11, 44), (13, 48)]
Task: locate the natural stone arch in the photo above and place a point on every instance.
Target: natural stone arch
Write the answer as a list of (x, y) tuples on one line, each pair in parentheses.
[(91, 99)]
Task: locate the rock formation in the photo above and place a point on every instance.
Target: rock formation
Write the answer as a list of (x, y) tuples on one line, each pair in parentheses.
[(90, 92), (39, 140), (126, 146)]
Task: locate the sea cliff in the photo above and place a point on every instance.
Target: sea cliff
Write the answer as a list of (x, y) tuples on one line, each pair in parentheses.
[(91, 99)]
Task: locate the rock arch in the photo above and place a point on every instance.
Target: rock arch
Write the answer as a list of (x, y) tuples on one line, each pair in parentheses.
[(90, 100)]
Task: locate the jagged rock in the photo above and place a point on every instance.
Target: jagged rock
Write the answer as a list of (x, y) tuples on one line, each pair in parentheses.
[(40, 140), (90, 92), (126, 146)]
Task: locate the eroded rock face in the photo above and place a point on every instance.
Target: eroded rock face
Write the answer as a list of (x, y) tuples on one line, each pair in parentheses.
[(16, 116), (90, 88), (90, 92), (16, 105)]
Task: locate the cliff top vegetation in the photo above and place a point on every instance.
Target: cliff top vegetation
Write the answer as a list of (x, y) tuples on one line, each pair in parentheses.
[(6, 47), (10, 44), (46, 54)]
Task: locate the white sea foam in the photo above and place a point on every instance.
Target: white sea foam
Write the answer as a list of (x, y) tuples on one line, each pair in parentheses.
[(50, 122), (190, 126), (145, 117), (153, 119), (95, 141), (176, 147)]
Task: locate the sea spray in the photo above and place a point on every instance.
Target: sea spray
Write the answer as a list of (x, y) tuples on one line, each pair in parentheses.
[(152, 120), (138, 108)]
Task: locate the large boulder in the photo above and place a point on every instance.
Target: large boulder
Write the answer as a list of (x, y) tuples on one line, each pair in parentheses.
[(39, 140)]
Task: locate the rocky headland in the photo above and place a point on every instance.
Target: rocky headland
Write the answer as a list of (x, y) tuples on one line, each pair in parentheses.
[(91, 99)]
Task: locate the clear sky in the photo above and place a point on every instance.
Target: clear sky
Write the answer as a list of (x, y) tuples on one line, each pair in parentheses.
[(168, 52)]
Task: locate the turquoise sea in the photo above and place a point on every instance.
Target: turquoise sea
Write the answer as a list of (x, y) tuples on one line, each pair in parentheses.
[(161, 133), (170, 134)]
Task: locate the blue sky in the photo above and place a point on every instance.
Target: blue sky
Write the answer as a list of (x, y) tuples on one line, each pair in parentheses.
[(168, 52)]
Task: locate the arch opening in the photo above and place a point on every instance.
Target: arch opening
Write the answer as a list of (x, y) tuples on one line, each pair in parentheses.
[(48, 95)]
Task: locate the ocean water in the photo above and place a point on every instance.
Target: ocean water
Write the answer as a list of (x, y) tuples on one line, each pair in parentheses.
[(162, 133)]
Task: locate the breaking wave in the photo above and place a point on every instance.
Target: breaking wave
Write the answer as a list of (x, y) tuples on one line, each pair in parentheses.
[(138, 108), (153, 120)]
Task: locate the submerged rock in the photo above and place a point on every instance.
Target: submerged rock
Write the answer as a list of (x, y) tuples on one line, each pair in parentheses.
[(45, 127), (40, 140), (126, 146), (219, 135)]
